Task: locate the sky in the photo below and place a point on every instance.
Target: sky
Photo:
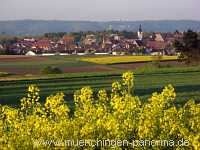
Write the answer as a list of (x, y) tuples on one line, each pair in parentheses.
[(100, 10)]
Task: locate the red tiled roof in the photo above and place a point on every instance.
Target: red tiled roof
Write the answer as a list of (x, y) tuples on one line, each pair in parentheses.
[(43, 43), (68, 39), (156, 45)]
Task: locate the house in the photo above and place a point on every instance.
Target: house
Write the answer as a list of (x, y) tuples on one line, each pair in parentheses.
[(116, 47), (130, 43), (68, 41), (178, 35), (90, 39), (169, 38), (156, 53), (156, 45), (158, 37), (115, 53), (44, 44), (29, 39), (1, 46), (116, 37), (106, 42), (30, 53), (139, 43)]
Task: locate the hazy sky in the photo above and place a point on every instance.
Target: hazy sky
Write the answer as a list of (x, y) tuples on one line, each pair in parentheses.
[(99, 10)]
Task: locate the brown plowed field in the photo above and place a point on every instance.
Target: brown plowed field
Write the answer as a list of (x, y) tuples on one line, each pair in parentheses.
[(17, 58), (8, 65), (20, 71)]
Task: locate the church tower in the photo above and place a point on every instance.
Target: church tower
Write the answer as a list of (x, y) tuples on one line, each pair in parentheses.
[(140, 33)]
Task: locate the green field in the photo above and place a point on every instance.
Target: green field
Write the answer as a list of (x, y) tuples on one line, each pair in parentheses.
[(33, 65), (186, 82), (78, 73)]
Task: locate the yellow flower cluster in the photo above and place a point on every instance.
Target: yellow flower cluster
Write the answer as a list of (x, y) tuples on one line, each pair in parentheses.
[(30, 102), (55, 107), (115, 115), (116, 87), (128, 78)]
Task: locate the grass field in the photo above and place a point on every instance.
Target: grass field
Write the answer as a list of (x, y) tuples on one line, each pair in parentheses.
[(79, 73), (187, 84)]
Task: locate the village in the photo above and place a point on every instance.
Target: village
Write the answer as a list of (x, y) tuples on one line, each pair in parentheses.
[(101, 43)]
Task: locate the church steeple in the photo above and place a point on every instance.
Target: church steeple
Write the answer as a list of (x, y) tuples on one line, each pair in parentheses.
[(140, 28), (140, 33)]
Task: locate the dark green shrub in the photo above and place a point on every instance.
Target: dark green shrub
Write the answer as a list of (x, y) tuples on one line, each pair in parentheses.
[(4, 74), (51, 70)]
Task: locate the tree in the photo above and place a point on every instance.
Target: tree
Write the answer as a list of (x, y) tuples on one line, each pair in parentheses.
[(189, 46), (2, 51)]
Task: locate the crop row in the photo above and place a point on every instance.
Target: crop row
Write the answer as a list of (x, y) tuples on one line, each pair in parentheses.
[(12, 91)]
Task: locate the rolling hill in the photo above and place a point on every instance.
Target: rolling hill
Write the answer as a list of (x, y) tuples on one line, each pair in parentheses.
[(36, 27)]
